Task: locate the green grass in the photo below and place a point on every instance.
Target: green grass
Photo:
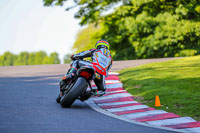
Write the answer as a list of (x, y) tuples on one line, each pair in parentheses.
[(177, 82)]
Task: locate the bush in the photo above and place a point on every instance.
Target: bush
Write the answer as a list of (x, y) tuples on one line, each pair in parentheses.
[(186, 52)]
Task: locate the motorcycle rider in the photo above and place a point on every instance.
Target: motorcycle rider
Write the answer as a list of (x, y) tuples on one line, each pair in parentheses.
[(101, 61)]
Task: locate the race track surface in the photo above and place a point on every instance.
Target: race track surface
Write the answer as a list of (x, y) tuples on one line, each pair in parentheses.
[(27, 104)]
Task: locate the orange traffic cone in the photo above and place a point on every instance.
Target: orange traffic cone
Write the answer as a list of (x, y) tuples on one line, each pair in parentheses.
[(157, 102)]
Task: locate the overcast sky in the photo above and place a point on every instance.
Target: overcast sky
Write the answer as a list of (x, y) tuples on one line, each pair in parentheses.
[(26, 25)]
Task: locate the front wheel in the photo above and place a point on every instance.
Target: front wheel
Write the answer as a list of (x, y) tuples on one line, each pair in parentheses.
[(76, 90), (58, 98)]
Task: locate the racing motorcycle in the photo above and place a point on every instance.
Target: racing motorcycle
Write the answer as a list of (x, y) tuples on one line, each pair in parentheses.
[(79, 87)]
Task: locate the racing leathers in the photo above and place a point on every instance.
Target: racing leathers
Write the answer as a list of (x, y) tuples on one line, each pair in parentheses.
[(101, 61)]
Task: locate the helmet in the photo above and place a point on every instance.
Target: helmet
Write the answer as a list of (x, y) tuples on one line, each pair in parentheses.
[(102, 44)]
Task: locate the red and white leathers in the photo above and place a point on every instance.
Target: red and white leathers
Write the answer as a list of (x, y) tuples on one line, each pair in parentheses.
[(101, 61)]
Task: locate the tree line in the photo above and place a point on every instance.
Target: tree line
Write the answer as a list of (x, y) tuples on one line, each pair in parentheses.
[(139, 28), (32, 58)]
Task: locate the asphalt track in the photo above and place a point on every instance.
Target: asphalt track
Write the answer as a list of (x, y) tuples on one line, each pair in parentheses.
[(27, 104)]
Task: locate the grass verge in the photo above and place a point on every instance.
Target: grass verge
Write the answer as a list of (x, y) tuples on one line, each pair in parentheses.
[(177, 82)]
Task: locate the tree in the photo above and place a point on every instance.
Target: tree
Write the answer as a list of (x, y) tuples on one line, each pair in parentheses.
[(22, 59), (25, 58), (31, 59), (54, 58), (87, 38), (39, 57), (90, 11), (142, 28), (67, 58), (7, 59), (1, 60)]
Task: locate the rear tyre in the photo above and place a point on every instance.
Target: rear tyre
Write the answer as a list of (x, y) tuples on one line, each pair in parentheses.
[(68, 98)]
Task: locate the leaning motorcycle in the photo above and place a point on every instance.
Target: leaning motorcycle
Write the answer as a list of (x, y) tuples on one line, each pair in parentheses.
[(77, 88)]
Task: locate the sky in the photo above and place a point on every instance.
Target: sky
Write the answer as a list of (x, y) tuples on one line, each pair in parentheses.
[(26, 25)]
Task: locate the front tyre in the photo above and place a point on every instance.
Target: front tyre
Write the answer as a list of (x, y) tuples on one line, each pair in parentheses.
[(77, 89), (58, 98)]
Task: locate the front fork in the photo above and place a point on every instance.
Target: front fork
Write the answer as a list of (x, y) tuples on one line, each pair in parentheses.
[(63, 86)]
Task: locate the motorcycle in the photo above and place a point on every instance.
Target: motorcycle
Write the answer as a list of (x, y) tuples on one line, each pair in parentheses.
[(77, 87)]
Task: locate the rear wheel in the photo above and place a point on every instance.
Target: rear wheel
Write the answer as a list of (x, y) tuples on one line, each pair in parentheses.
[(76, 90)]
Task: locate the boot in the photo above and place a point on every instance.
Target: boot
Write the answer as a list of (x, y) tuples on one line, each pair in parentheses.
[(101, 92)]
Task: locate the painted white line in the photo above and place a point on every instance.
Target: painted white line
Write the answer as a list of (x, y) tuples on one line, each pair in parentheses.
[(116, 103), (112, 81), (117, 85), (107, 81), (192, 130), (173, 121), (115, 91), (110, 86), (112, 96), (97, 108), (141, 114), (135, 107), (113, 73)]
